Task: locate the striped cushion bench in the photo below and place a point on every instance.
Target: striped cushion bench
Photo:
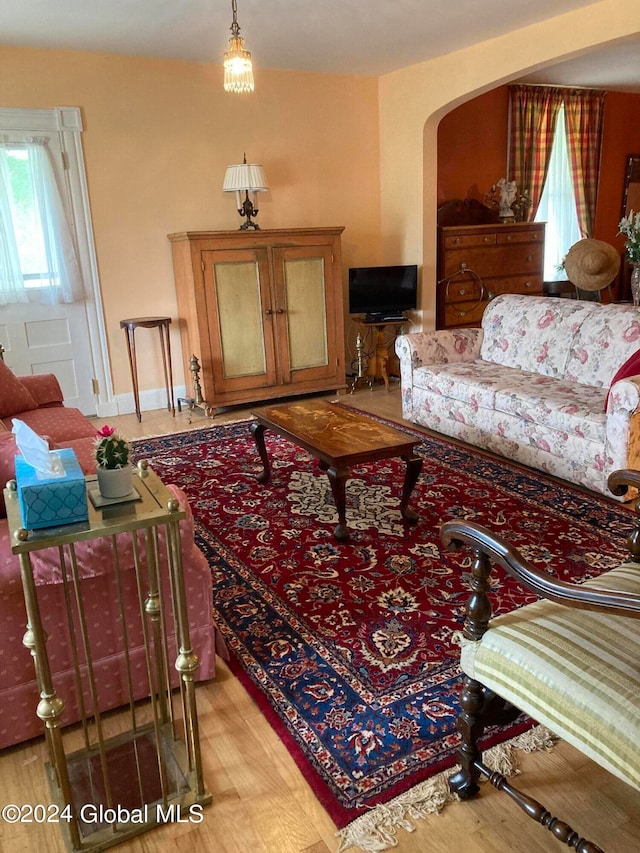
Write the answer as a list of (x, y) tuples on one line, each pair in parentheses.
[(570, 661), (575, 671)]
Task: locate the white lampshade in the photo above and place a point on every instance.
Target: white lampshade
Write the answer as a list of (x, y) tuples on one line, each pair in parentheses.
[(245, 176)]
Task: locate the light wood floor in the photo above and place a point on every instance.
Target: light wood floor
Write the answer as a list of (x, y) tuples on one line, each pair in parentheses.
[(261, 804)]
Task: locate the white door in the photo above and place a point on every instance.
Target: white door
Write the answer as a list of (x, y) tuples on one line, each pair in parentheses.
[(51, 339), (66, 339)]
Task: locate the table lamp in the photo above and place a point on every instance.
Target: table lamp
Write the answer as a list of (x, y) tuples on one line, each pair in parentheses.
[(248, 178)]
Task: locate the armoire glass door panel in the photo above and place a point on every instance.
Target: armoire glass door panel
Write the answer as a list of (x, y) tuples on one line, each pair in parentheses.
[(305, 293), (240, 319), (306, 301)]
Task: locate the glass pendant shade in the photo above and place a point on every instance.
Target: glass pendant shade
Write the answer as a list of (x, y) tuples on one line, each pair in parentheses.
[(238, 70)]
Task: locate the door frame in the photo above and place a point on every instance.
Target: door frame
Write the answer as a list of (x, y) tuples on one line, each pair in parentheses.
[(67, 123)]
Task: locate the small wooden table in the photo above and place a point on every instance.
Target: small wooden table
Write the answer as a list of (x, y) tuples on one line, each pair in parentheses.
[(339, 438), (162, 324)]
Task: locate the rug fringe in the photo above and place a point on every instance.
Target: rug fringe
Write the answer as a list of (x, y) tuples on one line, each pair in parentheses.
[(377, 830)]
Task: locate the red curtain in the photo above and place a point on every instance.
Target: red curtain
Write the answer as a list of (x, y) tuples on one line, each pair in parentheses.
[(584, 113)]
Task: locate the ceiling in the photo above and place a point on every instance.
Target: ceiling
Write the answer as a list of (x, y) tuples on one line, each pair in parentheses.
[(369, 37)]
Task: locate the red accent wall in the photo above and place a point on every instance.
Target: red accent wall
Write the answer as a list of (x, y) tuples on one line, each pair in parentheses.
[(472, 152), (472, 147)]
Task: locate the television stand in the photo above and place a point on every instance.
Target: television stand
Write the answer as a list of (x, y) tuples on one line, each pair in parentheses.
[(375, 319), (378, 362)]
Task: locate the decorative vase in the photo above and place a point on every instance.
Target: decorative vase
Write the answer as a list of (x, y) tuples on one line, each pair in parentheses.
[(635, 284), (115, 482)]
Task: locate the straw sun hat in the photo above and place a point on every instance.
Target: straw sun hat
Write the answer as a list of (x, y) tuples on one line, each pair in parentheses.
[(591, 264)]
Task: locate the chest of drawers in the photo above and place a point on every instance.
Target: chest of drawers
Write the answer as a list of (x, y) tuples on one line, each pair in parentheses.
[(478, 262)]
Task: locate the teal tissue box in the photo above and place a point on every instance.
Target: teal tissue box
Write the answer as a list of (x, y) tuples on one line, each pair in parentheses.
[(47, 501)]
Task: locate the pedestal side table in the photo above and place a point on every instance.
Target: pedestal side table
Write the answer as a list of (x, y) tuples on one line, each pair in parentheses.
[(162, 324)]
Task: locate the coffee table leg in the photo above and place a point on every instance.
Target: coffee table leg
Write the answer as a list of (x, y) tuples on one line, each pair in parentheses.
[(338, 479), (414, 466), (257, 431)]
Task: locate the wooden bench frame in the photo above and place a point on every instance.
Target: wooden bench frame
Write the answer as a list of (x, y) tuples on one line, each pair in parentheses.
[(481, 707)]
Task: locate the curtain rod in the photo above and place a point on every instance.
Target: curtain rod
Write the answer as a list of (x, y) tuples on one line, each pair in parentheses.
[(559, 86)]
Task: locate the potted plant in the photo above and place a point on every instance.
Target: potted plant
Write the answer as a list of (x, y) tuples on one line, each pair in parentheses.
[(115, 476)]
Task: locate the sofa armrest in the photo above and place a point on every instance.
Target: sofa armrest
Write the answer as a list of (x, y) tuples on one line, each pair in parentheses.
[(622, 428), (439, 347), (44, 388), (624, 396)]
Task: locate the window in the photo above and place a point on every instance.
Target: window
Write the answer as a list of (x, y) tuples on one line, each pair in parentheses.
[(27, 225), (563, 125), (557, 205), (37, 246)]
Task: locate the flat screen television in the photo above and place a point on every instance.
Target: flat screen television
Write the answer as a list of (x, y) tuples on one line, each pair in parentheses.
[(383, 293)]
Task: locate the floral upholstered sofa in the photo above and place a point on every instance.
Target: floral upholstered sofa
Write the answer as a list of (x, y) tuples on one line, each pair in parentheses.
[(552, 383)]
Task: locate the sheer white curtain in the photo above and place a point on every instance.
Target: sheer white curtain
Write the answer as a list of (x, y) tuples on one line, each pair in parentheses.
[(558, 206), (60, 278), (11, 280)]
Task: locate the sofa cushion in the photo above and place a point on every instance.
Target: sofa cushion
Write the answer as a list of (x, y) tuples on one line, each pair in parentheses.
[(531, 333), (606, 338), (474, 382), (554, 403), (61, 423), (44, 388), (14, 396), (631, 367)]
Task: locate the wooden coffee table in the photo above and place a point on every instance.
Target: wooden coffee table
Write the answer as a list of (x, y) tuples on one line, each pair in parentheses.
[(339, 438)]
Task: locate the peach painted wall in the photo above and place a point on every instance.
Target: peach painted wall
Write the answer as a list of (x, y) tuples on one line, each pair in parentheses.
[(414, 100), (158, 137)]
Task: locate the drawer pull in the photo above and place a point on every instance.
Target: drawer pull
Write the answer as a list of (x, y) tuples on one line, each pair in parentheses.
[(529, 258), (462, 291), (509, 236), (457, 240), (528, 283), (486, 239)]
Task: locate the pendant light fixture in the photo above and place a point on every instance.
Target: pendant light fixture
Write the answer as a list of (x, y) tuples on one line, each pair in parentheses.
[(238, 70)]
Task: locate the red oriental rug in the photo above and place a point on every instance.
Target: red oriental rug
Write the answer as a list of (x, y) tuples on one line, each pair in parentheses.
[(347, 647)]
